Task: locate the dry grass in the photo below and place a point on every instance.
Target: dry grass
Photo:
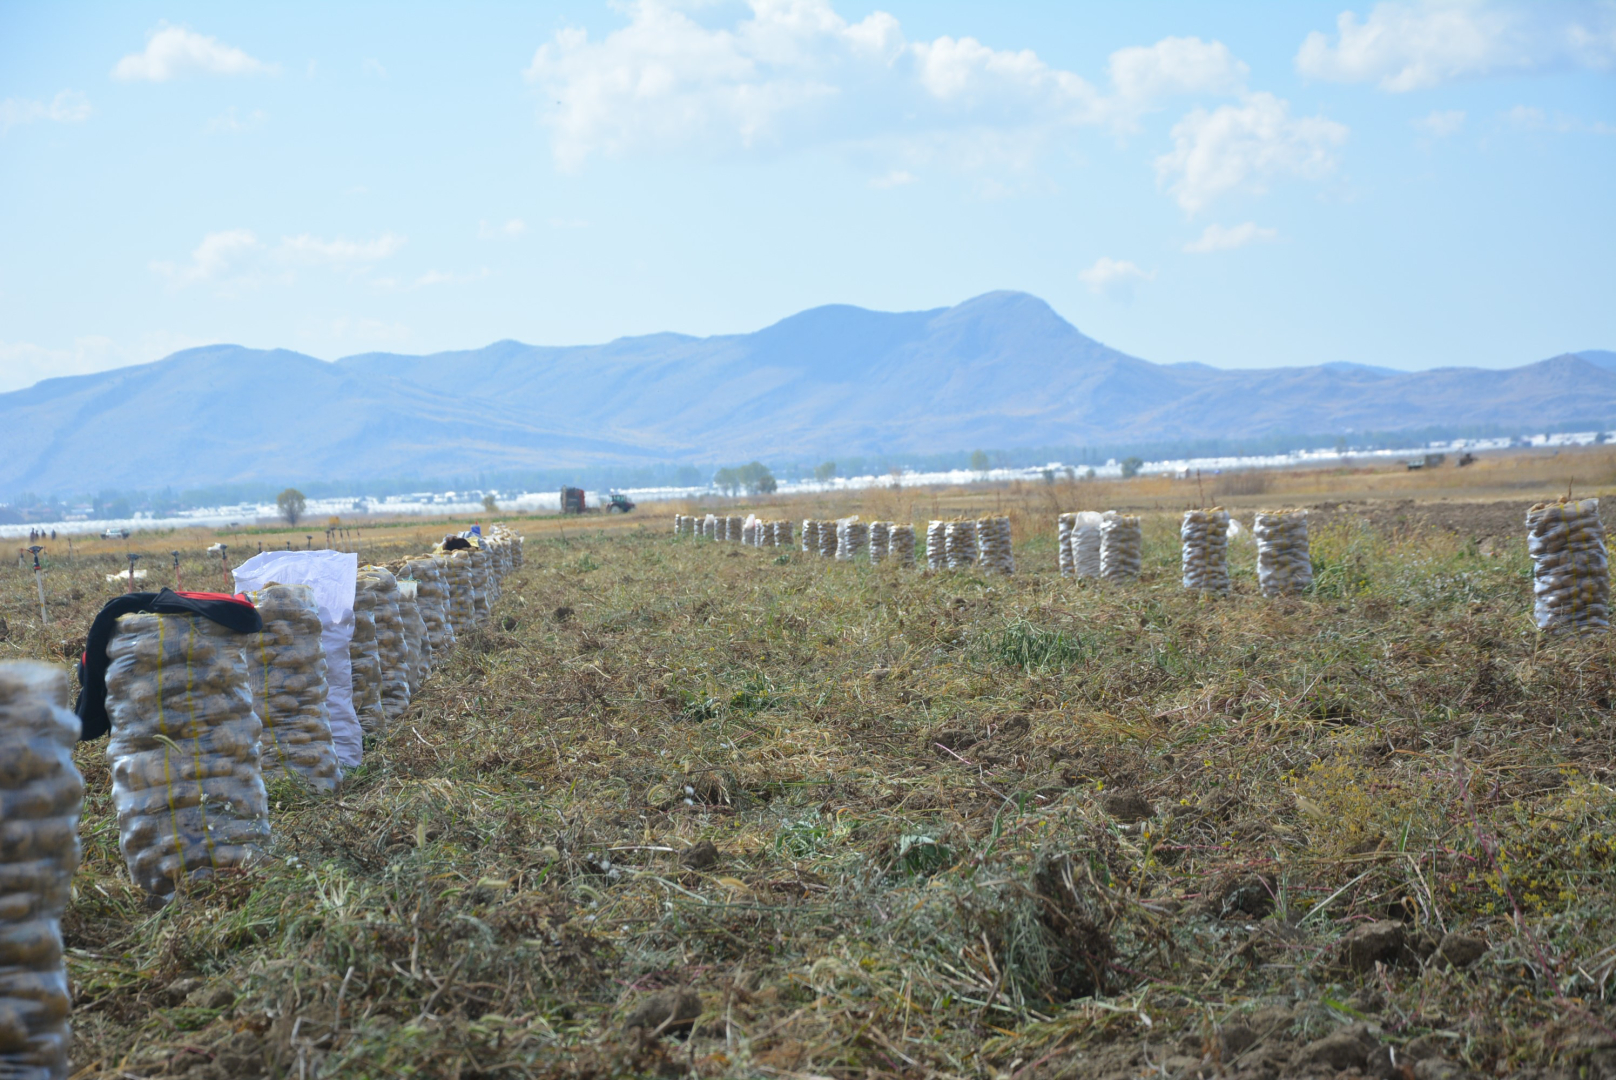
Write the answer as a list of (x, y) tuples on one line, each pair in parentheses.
[(919, 791)]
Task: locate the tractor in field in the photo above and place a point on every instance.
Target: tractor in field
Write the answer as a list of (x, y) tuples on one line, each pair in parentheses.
[(619, 504), (572, 502)]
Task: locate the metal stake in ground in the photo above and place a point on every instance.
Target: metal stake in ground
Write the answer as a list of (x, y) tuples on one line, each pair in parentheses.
[(179, 585), (133, 558), (224, 561), (39, 579)]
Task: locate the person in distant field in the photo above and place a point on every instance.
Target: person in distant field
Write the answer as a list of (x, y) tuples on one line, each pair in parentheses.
[(53, 535)]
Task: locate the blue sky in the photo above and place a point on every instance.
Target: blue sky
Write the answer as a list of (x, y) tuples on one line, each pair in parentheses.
[(1411, 184)]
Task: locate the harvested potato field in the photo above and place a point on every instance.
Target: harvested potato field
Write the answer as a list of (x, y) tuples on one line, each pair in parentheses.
[(695, 808)]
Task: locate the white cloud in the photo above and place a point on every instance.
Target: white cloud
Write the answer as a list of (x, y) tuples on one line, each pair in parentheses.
[(172, 51), (895, 178), (229, 122), (1402, 46), (1219, 238), (1531, 118), (220, 254), (795, 71), (1115, 278), (1175, 66), (67, 107), (235, 257), (338, 252), (1440, 123), (1244, 147), (510, 230)]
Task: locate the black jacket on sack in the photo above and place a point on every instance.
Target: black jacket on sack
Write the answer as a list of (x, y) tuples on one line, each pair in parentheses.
[(235, 612)]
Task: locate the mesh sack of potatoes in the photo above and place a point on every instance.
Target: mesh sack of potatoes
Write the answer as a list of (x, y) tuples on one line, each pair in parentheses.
[(998, 553), (852, 538), (678, 524), (810, 535), (1121, 546), (829, 537), (880, 533), (1064, 525), (1205, 538), (457, 579), (937, 545), (40, 796), (391, 648), (734, 533), (1086, 561), (186, 781), (1284, 563), (766, 533), (286, 663), (960, 541), (484, 589), (432, 597), (1570, 566), (782, 534), (364, 657), (417, 651), (901, 546)]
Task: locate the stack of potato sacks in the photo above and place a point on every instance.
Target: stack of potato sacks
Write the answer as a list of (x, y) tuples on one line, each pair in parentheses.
[(960, 544), (287, 663), (1064, 524), (879, 532), (734, 533), (852, 539), (1284, 563), (186, 780), (829, 537), (1205, 537), (810, 536), (1570, 566), (901, 546), (993, 538), (1121, 546), (40, 796), (937, 545)]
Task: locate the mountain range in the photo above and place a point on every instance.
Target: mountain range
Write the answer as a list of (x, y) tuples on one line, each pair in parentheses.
[(999, 371)]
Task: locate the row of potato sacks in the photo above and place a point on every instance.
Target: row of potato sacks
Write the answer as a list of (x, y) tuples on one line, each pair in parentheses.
[(960, 545), (201, 715), (849, 539)]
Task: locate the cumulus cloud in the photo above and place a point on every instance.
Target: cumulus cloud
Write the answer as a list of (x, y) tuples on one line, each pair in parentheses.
[(1219, 238), (797, 71), (173, 51), (510, 230), (220, 254), (895, 178), (67, 107), (1175, 66), (1402, 46), (1245, 147), (1440, 123), (1115, 278), (338, 252), (1531, 118), (237, 257)]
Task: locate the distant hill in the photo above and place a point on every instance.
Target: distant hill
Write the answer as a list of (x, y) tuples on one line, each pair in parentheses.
[(1001, 371)]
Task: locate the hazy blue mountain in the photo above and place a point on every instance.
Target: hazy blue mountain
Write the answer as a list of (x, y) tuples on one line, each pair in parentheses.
[(1600, 358), (1002, 370)]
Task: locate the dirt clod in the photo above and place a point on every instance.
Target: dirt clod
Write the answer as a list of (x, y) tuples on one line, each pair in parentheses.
[(668, 1011), (1461, 950), (1377, 942), (1126, 806), (701, 856)]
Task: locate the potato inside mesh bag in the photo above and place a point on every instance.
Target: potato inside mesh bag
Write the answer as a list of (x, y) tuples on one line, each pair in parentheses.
[(289, 685), (186, 783), (364, 657), (391, 649)]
